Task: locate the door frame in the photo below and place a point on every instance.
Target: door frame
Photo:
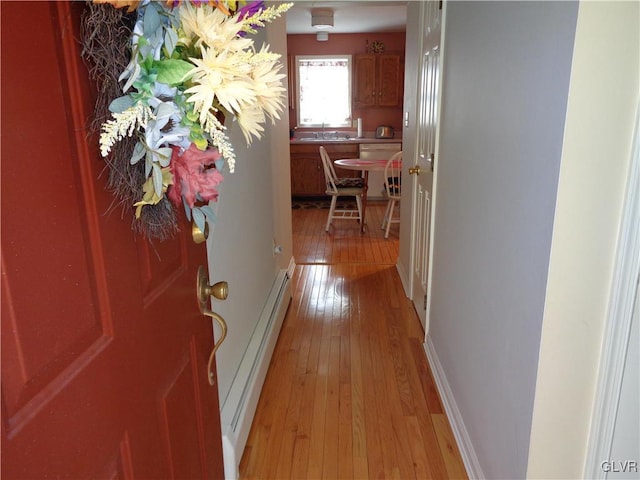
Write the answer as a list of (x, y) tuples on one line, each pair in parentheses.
[(617, 335)]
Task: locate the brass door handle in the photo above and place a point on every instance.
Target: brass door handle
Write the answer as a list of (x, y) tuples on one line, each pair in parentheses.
[(414, 171), (219, 290)]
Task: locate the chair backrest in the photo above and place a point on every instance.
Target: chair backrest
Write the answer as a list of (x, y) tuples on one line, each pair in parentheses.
[(329, 172), (393, 175)]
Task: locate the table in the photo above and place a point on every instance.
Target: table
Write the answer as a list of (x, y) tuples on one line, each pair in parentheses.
[(364, 166)]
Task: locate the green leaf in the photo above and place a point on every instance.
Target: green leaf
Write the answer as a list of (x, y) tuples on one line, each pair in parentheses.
[(187, 208), (147, 64), (151, 21), (209, 213), (171, 71), (193, 115), (201, 142), (120, 104), (198, 218), (148, 162), (138, 153), (165, 110), (157, 179), (134, 76), (170, 41), (163, 155)]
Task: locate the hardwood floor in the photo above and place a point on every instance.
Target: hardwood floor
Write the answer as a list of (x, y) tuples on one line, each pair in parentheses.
[(349, 393), (343, 243)]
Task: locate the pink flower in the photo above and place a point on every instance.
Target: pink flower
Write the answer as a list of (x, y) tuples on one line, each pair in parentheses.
[(195, 176)]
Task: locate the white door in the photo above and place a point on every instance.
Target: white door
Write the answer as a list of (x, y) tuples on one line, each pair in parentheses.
[(422, 169)]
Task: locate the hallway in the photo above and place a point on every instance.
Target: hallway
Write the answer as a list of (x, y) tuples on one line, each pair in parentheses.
[(349, 393)]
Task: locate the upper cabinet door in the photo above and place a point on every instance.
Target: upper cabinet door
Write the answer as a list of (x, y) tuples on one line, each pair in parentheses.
[(378, 80), (364, 92), (389, 80)]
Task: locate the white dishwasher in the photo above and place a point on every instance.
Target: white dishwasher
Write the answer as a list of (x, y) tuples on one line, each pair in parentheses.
[(377, 151)]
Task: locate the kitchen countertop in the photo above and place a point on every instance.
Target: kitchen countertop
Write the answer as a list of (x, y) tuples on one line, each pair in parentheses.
[(312, 141)]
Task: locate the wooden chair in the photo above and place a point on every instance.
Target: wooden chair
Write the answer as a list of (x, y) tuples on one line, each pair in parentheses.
[(341, 187), (392, 190)]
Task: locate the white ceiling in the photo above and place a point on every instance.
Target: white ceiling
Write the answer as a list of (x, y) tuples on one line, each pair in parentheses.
[(350, 17)]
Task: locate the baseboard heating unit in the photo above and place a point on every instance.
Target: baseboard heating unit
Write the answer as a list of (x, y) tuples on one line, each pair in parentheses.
[(241, 402)]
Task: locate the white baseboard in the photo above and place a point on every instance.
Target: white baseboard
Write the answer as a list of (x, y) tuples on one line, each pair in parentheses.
[(460, 433), (404, 279), (240, 406)]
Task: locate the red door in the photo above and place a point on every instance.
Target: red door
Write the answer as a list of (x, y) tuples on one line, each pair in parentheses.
[(104, 350)]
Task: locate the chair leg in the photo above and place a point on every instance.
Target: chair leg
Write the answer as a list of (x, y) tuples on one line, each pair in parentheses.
[(385, 219), (334, 199), (359, 205), (392, 204)]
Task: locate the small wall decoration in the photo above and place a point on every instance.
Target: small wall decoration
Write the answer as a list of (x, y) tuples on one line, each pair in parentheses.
[(169, 73), (376, 47)]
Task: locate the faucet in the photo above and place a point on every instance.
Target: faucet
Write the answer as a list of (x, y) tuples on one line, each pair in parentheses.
[(325, 135)]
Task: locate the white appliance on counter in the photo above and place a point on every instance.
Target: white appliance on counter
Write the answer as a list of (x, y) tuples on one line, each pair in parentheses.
[(378, 151)]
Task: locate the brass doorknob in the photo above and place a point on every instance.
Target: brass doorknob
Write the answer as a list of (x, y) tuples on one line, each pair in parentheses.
[(220, 290), (414, 171)]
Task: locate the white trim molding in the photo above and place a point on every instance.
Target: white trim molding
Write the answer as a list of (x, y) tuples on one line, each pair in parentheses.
[(404, 279), (468, 453), (240, 406), (618, 326)]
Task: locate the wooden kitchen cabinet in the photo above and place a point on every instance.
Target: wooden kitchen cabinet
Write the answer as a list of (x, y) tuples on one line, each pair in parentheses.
[(378, 80), (307, 174), (307, 177)]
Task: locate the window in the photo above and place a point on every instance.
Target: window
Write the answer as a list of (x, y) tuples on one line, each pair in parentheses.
[(324, 90)]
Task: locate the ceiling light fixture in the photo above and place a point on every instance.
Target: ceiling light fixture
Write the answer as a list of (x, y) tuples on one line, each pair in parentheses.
[(322, 36), (322, 18)]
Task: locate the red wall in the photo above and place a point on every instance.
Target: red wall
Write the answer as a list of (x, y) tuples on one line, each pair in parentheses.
[(351, 43)]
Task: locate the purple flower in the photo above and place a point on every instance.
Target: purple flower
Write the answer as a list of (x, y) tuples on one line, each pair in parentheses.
[(251, 9)]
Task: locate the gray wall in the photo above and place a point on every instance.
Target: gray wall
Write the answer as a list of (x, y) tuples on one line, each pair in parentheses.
[(505, 85), (241, 252), (250, 217)]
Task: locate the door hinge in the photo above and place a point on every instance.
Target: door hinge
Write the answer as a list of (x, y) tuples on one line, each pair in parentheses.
[(425, 302)]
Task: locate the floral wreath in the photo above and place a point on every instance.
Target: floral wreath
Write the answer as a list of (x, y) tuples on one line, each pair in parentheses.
[(191, 65)]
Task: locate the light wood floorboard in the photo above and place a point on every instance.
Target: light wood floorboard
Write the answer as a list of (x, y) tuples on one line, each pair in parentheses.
[(349, 393), (343, 243)]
